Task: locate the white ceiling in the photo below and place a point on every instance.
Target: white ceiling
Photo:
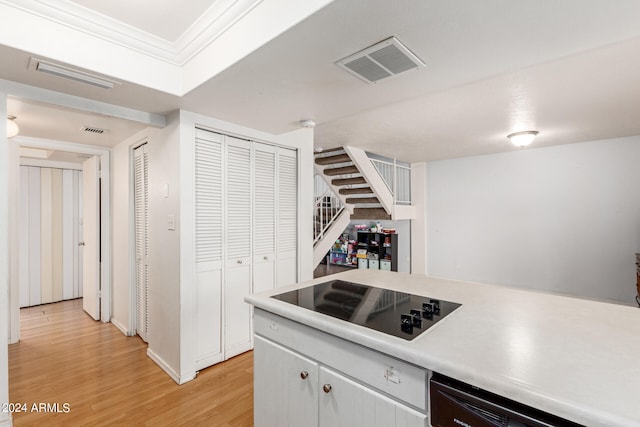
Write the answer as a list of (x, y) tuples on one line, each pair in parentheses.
[(567, 68)]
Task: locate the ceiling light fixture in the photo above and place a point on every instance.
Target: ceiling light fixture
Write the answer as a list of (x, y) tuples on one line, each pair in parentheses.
[(70, 73), (307, 123), (12, 127), (524, 138)]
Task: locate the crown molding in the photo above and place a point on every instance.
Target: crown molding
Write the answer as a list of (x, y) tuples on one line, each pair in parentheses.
[(221, 16)]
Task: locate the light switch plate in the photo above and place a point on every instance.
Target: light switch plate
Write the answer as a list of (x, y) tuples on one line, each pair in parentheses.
[(171, 222)]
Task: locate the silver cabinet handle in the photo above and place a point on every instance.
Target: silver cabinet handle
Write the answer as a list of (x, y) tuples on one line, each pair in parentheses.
[(80, 243), (304, 375), (239, 261), (266, 257), (326, 388)]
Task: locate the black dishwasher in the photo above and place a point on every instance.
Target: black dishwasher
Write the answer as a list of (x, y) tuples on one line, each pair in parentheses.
[(456, 404)]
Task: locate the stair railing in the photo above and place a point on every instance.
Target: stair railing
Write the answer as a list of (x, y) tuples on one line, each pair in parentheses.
[(327, 207), (397, 177)]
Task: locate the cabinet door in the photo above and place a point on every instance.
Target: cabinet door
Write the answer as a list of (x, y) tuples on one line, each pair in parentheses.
[(264, 217), (237, 319), (344, 402), (285, 387), (287, 214), (208, 247)]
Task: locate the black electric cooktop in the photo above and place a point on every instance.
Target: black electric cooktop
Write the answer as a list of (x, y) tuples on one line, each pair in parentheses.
[(396, 313)]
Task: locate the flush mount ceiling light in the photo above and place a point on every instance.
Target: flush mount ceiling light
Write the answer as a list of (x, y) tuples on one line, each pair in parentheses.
[(12, 127), (63, 71), (522, 139), (307, 123)]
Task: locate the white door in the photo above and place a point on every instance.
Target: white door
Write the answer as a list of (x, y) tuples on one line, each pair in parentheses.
[(141, 209), (287, 214), (209, 248), (237, 313), (91, 236), (264, 214)]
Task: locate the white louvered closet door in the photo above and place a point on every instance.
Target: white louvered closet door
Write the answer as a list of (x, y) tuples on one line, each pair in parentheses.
[(264, 213), (209, 200), (287, 213), (237, 313), (141, 209)]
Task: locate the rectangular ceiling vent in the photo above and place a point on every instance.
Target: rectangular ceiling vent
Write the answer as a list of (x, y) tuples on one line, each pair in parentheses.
[(70, 73), (92, 129), (380, 61)]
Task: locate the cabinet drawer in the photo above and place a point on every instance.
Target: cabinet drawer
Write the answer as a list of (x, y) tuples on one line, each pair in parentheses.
[(393, 377)]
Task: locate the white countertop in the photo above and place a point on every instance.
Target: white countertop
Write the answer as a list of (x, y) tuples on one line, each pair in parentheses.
[(575, 358)]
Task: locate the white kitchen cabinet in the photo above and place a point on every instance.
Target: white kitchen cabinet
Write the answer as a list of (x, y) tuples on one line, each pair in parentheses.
[(326, 397), (346, 403), (245, 236), (285, 387)]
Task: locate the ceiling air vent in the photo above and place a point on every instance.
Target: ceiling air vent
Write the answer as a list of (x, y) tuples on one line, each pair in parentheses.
[(380, 61), (95, 130), (70, 73)]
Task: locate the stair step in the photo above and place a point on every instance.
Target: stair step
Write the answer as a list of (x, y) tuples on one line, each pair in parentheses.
[(344, 170), (357, 200), (330, 160), (361, 190), (330, 150), (348, 181), (370, 213)]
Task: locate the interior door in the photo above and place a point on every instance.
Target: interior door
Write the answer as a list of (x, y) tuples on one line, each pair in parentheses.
[(141, 209), (91, 237), (264, 224), (287, 217), (238, 247)]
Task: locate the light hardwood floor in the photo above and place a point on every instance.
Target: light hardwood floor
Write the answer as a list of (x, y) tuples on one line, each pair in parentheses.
[(64, 356)]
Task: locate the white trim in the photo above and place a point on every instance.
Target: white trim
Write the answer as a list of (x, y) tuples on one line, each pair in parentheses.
[(42, 163), (370, 173), (7, 423), (78, 103), (212, 24), (14, 241), (179, 379), (122, 328), (4, 258), (105, 213)]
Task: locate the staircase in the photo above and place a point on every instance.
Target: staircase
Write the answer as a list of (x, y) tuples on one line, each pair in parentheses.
[(355, 191), (342, 174)]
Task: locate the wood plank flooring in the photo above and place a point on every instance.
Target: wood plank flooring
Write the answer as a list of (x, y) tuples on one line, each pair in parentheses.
[(64, 356)]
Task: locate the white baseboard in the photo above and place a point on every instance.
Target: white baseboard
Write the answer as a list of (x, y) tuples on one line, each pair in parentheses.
[(122, 328), (179, 379)]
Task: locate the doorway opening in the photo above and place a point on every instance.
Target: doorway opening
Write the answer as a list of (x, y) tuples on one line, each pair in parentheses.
[(94, 243)]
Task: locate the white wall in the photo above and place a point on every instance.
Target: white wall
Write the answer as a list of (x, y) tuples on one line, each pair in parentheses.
[(164, 245), (4, 260), (563, 219), (171, 275)]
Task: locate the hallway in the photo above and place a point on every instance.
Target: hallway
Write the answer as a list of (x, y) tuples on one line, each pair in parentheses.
[(65, 357)]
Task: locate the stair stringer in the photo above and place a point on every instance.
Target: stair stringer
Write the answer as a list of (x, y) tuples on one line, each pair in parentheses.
[(373, 178), (330, 236)]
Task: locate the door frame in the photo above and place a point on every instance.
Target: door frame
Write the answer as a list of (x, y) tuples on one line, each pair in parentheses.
[(105, 227)]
